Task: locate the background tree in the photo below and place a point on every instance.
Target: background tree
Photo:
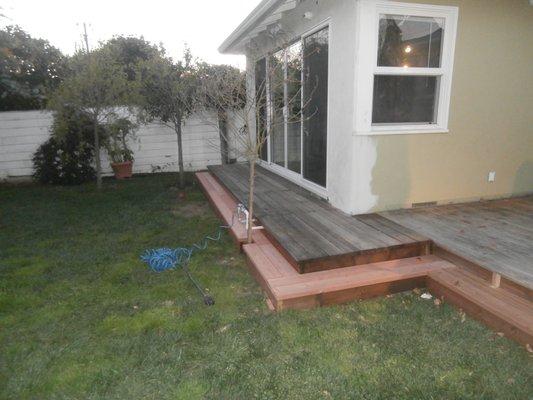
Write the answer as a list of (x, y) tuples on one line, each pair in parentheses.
[(167, 92), (29, 69), (216, 79), (97, 87), (129, 51)]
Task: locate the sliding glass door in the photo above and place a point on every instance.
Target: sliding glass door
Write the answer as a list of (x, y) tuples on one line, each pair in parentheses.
[(296, 79)]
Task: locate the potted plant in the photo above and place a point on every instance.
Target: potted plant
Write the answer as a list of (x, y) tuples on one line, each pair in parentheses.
[(118, 133)]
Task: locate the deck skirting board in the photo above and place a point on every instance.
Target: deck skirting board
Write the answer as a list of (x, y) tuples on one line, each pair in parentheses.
[(499, 309)]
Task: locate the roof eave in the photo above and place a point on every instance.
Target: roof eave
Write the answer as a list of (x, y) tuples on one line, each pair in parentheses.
[(229, 46)]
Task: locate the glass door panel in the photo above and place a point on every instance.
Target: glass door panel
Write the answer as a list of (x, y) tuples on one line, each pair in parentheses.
[(315, 111), (261, 104), (277, 93), (294, 107)]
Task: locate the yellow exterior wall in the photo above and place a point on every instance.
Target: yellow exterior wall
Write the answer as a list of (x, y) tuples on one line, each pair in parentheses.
[(491, 117)]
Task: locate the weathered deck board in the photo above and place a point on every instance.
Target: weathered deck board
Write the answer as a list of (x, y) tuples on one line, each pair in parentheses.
[(496, 235), (313, 234)]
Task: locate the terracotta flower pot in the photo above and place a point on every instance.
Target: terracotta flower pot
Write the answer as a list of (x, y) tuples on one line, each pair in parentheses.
[(123, 170)]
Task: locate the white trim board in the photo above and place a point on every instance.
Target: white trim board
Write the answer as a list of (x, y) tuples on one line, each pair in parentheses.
[(267, 12), (295, 178)]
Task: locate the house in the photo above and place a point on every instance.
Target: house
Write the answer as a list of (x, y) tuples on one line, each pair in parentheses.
[(410, 103), (379, 107)]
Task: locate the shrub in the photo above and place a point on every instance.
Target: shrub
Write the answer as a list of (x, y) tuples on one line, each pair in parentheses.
[(67, 157)]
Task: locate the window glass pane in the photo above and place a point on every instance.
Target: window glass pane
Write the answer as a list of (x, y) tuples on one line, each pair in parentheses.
[(294, 104), (277, 94), (404, 99), (261, 104), (407, 41), (315, 110)]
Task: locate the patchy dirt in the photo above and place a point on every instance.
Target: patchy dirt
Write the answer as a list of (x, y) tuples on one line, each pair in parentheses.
[(226, 261), (190, 209)]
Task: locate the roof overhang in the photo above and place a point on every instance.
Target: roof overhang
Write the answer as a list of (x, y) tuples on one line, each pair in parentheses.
[(267, 13)]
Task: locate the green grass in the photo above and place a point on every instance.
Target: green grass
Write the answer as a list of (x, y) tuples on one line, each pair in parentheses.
[(81, 317)]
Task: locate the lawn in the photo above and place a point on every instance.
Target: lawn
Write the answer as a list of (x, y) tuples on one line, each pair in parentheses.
[(81, 317)]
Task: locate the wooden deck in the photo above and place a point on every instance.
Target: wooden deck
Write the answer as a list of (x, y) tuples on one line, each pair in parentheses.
[(508, 309), (312, 234), (495, 235)]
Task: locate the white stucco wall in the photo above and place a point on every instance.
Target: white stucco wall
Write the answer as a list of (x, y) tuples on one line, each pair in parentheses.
[(22, 132), (340, 15), (490, 119), (490, 125)]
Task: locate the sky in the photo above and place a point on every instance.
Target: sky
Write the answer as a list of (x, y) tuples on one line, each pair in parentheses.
[(201, 24)]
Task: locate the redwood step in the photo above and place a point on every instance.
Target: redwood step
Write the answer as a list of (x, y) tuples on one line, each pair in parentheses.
[(498, 308), (223, 203), (274, 256), (357, 282), (286, 288)]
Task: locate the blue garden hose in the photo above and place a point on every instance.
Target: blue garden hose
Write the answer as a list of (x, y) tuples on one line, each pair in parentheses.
[(163, 259)]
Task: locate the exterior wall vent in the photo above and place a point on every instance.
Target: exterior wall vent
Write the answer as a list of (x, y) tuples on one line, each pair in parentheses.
[(426, 204)]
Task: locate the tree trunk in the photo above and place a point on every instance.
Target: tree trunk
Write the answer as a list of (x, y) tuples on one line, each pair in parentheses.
[(97, 155), (223, 134), (177, 127), (251, 187)]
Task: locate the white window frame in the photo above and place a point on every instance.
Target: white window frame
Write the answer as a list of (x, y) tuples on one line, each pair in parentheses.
[(368, 16)]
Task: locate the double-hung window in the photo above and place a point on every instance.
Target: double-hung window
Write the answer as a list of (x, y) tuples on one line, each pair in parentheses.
[(404, 67)]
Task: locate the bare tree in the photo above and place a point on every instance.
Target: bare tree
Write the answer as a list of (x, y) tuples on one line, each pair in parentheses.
[(259, 105), (216, 79)]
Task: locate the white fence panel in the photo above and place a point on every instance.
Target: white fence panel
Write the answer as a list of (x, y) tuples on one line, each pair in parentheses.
[(21, 133), (155, 147)]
